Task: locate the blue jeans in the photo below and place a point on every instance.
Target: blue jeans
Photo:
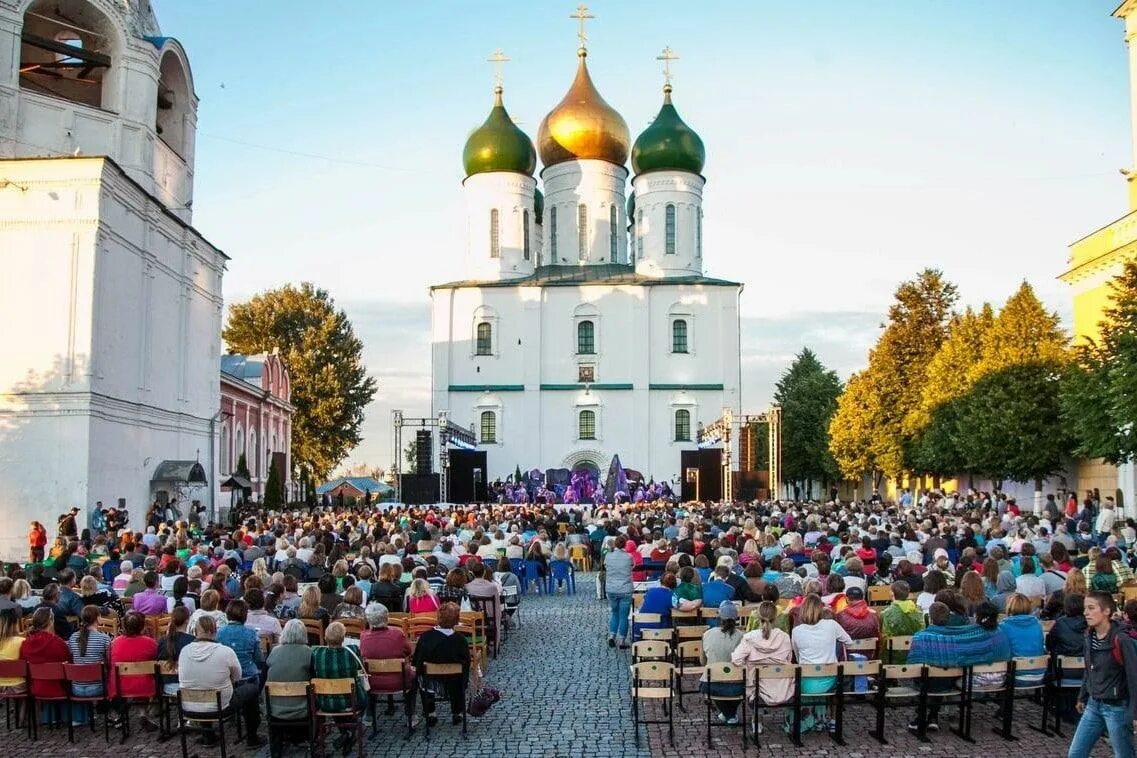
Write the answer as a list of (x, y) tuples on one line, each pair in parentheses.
[(620, 606), (1097, 719)]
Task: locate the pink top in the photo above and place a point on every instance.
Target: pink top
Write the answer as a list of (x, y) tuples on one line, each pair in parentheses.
[(424, 604)]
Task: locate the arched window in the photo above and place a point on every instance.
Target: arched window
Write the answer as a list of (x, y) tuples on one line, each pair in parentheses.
[(679, 336), (586, 425), (224, 449), (239, 449), (613, 231), (699, 234), (67, 50), (255, 438), (640, 234), (585, 338), (582, 231), (669, 230), (174, 106), (489, 427), (495, 234), (484, 344), (553, 236), (525, 233), (682, 425)]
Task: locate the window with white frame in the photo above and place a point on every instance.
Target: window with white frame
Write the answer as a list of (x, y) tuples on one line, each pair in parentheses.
[(488, 427), (585, 338), (495, 234), (484, 339), (582, 231), (586, 425), (669, 230), (679, 335), (682, 425)]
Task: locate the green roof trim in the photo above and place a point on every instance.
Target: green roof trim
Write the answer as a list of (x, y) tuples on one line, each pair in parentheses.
[(692, 387), (486, 388), (594, 385), (594, 274)]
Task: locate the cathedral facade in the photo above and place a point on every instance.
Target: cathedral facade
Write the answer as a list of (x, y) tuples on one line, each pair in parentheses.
[(586, 326)]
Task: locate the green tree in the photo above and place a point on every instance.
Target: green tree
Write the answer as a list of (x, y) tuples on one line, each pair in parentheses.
[(410, 457), (330, 387), (808, 393), (1099, 389), (931, 424), (892, 385), (274, 489), (242, 467), (1008, 425)]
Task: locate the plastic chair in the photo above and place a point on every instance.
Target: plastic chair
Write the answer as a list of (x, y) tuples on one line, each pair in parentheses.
[(578, 554), (561, 572), (517, 566), (275, 724), (533, 574), (83, 673)]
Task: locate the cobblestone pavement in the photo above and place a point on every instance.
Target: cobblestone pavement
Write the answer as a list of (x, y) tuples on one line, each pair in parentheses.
[(566, 694)]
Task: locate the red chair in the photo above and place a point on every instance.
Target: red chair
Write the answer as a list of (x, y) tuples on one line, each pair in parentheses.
[(16, 670), (136, 670), (49, 672), (85, 673)]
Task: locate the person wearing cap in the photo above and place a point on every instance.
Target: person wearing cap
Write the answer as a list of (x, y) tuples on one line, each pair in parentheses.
[(857, 618), (719, 643)]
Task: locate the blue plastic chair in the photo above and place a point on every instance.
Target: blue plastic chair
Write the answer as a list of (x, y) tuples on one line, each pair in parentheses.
[(533, 574), (560, 572), (517, 566)]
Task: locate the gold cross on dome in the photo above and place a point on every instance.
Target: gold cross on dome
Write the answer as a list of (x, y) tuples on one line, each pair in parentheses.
[(498, 59), (667, 56), (581, 16)]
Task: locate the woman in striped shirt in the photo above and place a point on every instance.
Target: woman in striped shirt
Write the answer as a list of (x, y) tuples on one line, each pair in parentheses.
[(88, 645)]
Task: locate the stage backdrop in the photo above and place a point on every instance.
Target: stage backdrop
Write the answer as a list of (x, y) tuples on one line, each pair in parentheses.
[(467, 481), (708, 463)]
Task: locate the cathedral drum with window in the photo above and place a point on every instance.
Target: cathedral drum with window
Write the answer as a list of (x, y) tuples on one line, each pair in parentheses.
[(586, 326)]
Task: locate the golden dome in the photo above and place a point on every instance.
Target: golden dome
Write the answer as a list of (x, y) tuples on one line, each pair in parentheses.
[(582, 125)]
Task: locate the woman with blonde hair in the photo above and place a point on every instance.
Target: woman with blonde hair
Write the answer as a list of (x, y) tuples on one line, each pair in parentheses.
[(971, 587), (260, 570), (815, 640), (23, 597), (210, 606), (1075, 583), (10, 642), (420, 599), (310, 607)]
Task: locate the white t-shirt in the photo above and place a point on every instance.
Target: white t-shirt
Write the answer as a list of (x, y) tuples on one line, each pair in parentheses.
[(817, 643)]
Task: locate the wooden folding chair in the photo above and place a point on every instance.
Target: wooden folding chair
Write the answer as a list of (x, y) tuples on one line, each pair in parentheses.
[(866, 647), (276, 725), (725, 673), (777, 671), (17, 669), (953, 693), (445, 671), (405, 692), (896, 650), (83, 673), (688, 662), (651, 650), (200, 719), (645, 618), (848, 694), (802, 699), (880, 595), (352, 716), (353, 627), (1068, 672), (1022, 679), (653, 680), (984, 691), (107, 625), (136, 669), (315, 630), (897, 685)]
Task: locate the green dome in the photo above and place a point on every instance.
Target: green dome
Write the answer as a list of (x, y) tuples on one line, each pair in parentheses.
[(668, 143), (539, 206), (498, 145), (632, 207)]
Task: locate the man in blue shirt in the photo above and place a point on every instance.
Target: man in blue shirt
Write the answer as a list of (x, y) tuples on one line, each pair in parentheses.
[(716, 591)]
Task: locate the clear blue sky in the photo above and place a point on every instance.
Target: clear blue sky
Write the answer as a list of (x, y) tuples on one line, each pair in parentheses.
[(849, 145)]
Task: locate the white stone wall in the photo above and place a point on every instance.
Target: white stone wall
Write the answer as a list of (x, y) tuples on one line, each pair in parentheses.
[(116, 368), (655, 191), (511, 195), (535, 345), (599, 186)]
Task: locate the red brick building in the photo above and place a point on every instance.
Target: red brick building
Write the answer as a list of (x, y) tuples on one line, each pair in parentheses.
[(256, 419)]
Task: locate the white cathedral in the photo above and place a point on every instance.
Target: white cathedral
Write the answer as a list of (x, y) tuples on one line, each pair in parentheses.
[(586, 326), (110, 299)]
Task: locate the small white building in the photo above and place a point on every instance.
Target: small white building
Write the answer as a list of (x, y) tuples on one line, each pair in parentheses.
[(586, 327), (111, 300)]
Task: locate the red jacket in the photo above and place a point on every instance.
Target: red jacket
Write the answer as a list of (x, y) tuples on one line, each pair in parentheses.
[(37, 537), (859, 621), (45, 647), (126, 649)]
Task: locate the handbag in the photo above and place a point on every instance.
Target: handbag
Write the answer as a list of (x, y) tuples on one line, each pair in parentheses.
[(362, 680)]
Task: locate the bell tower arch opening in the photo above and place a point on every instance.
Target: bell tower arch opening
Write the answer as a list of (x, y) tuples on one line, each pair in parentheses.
[(70, 49)]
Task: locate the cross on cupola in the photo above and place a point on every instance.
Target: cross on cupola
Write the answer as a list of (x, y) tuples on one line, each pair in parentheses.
[(581, 16), (498, 59), (667, 56)]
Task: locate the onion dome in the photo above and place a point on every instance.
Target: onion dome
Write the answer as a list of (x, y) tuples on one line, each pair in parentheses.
[(539, 206), (498, 145), (668, 143), (631, 207), (583, 126)]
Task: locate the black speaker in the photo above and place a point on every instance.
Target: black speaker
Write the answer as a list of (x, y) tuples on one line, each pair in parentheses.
[(424, 454), (467, 480), (420, 489)]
